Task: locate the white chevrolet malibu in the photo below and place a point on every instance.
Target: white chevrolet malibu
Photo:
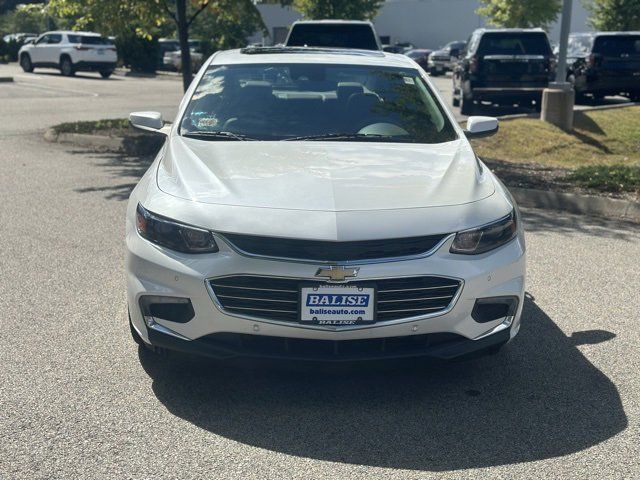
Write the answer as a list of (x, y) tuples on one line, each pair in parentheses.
[(317, 204)]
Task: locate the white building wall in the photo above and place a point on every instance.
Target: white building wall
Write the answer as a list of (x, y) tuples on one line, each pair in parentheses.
[(425, 23)]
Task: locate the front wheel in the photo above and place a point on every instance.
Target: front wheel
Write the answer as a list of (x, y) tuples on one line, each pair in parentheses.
[(25, 63), (106, 73), (66, 67)]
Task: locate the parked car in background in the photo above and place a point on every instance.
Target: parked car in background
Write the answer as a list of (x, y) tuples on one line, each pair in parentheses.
[(442, 61), (173, 59), (333, 34), (312, 204), (420, 56), (400, 47), (166, 45), (70, 52), (605, 63), (505, 66), (19, 37)]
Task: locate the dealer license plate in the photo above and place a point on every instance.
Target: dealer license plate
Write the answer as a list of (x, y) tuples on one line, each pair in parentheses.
[(337, 305)]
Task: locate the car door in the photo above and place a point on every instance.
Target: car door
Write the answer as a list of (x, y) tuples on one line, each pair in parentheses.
[(54, 47), (38, 52)]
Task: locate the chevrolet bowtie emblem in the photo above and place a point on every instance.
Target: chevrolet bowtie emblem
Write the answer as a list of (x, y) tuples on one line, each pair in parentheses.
[(337, 274)]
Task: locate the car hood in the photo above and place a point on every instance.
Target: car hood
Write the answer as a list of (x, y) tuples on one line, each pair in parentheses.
[(322, 176)]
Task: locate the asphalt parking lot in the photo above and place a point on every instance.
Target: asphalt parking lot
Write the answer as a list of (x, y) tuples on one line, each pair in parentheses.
[(80, 400)]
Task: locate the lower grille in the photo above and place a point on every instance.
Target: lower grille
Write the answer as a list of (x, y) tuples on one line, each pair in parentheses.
[(276, 298), (307, 349)]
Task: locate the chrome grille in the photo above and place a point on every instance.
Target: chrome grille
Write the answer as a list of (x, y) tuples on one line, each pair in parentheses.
[(275, 298)]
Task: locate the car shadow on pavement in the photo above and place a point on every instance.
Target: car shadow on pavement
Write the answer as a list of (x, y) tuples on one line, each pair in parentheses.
[(120, 165), (539, 398), (558, 222)]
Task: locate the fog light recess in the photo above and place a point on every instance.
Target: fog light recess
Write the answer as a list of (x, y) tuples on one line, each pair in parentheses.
[(173, 309), (493, 308)]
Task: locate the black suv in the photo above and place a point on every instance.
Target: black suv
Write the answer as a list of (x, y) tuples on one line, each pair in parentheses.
[(605, 63), (503, 66)]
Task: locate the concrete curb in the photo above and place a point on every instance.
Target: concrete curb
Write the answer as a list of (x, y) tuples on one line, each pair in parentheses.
[(134, 145), (98, 142), (160, 74), (575, 203)]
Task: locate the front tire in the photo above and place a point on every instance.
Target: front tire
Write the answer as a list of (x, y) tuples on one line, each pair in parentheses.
[(25, 63), (66, 67)]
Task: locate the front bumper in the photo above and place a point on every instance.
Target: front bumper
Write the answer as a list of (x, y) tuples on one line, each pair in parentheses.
[(154, 271)]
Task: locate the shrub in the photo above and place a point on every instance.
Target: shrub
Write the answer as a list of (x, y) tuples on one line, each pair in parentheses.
[(611, 178), (137, 53)]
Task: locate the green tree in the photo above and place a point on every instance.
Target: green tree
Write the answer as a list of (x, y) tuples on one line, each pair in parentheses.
[(219, 29), (228, 19), (338, 9), (622, 15), (520, 13), (26, 18)]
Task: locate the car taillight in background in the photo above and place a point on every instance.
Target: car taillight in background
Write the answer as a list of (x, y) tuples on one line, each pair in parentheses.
[(594, 60)]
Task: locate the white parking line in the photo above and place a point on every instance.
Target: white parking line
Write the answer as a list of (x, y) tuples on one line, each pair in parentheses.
[(54, 89)]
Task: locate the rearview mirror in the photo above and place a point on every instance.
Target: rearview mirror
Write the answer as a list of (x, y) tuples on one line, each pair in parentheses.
[(480, 127), (150, 121)]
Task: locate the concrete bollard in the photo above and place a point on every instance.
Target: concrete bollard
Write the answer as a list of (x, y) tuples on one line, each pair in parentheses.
[(557, 107)]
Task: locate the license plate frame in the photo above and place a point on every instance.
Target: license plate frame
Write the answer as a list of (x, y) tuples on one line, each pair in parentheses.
[(323, 289)]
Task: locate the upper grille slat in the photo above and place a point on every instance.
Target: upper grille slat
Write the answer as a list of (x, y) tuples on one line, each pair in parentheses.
[(328, 251), (396, 298)]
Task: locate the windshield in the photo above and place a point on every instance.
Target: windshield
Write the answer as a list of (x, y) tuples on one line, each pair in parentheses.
[(517, 43), (288, 101), (333, 35), (616, 46), (89, 40)]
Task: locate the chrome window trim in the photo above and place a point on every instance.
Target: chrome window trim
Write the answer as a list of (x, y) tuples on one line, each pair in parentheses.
[(426, 254), (297, 324)]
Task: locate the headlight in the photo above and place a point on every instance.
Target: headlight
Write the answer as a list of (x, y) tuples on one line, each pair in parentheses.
[(176, 236), (485, 238)]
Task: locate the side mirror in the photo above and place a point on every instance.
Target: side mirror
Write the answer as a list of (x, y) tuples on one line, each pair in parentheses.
[(480, 127), (150, 121)]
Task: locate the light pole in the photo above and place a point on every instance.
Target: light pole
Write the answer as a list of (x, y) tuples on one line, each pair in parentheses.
[(558, 100)]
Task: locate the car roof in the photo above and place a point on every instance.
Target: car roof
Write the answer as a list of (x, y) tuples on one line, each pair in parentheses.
[(508, 30), (602, 34), (311, 55), (71, 32), (329, 21)]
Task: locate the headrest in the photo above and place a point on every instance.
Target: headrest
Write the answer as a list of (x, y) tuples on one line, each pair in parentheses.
[(257, 88), (346, 89)]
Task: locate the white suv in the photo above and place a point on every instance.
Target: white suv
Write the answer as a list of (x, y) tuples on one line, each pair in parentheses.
[(70, 52)]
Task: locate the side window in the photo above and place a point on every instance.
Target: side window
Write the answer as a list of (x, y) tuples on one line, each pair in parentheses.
[(55, 38), (44, 39)]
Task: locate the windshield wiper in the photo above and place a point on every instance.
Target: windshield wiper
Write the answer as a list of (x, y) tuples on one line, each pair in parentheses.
[(204, 135), (349, 136)]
